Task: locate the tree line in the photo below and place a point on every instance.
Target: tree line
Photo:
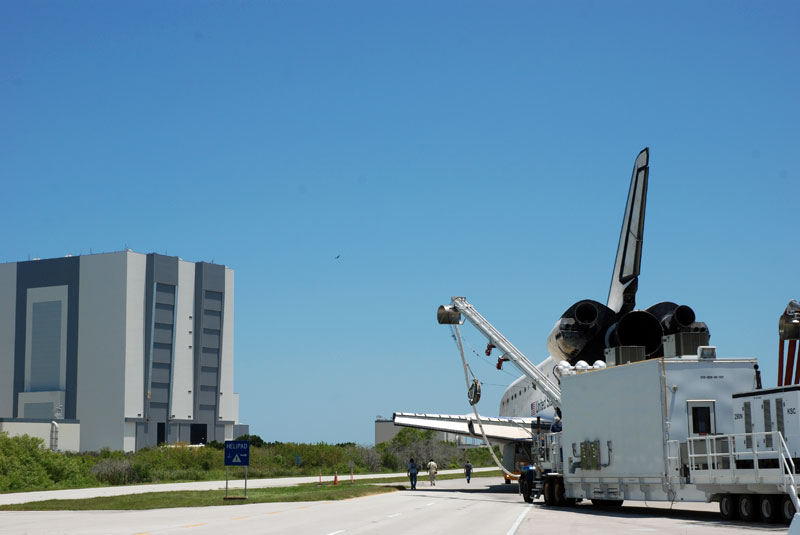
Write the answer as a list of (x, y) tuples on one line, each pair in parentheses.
[(25, 464)]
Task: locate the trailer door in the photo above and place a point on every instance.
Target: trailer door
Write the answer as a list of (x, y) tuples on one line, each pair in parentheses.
[(701, 417)]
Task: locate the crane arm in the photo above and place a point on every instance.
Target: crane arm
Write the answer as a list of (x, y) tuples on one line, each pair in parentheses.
[(451, 314)]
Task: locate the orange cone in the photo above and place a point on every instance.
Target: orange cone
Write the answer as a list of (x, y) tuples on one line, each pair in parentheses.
[(336, 478)]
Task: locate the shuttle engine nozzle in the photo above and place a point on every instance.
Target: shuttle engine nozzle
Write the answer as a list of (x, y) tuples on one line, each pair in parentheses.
[(579, 329), (676, 318), (637, 328), (682, 317)]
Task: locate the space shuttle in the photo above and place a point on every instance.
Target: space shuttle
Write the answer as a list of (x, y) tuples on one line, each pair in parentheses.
[(586, 335)]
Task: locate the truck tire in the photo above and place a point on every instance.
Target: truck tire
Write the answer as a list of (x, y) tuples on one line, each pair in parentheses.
[(559, 499), (787, 509), (768, 507), (729, 507), (748, 508), (525, 489), (560, 495), (549, 495)]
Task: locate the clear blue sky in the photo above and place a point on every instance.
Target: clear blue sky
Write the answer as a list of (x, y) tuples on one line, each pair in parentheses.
[(440, 148)]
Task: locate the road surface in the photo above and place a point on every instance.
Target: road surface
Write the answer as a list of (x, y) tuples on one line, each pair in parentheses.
[(486, 507)]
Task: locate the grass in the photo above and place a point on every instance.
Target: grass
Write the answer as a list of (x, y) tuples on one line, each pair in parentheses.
[(162, 500), (308, 492)]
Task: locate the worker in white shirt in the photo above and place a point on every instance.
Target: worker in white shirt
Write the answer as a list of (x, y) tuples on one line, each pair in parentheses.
[(432, 469)]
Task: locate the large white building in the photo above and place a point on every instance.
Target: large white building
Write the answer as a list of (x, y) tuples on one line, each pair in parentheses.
[(122, 350)]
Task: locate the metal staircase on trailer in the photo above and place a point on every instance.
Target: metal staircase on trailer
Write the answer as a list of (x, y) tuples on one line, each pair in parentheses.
[(713, 459)]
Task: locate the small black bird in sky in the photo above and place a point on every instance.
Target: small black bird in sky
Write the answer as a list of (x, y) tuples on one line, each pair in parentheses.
[(337, 257)]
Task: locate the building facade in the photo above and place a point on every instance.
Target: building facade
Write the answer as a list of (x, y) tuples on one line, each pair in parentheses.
[(136, 349)]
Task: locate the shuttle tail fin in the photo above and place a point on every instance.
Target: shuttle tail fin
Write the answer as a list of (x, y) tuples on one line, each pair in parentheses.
[(624, 281)]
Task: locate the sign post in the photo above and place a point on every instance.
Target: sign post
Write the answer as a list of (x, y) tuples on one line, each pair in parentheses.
[(237, 453)]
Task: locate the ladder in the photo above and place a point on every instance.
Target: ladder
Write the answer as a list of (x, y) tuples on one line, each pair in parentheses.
[(787, 464), (542, 382)]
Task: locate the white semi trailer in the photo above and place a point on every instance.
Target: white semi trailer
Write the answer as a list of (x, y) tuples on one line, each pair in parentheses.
[(686, 428)]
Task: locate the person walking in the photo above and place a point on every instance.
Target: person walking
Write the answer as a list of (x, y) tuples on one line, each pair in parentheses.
[(468, 470), (432, 469), (413, 468)]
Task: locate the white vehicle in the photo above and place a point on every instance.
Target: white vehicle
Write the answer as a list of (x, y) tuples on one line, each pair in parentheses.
[(674, 428)]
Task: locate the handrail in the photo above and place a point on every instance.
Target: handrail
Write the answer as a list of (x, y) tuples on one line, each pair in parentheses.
[(710, 458), (712, 440), (673, 461), (554, 440), (787, 461)]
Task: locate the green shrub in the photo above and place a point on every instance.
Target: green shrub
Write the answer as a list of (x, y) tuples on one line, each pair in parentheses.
[(115, 472), (391, 462), (25, 464)]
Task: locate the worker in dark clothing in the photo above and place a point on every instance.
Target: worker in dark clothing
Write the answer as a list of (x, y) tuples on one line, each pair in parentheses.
[(468, 470), (413, 468), (556, 427)]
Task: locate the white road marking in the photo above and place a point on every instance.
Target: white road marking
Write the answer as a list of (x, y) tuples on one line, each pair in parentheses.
[(336, 532), (394, 515), (513, 529), (429, 504)]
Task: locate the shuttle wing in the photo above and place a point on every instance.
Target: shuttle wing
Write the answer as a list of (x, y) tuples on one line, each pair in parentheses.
[(500, 430)]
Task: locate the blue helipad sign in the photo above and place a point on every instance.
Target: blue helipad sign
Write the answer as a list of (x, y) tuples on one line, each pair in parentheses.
[(237, 453)]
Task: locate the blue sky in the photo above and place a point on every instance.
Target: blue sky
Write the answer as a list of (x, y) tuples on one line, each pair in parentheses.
[(449, 148)]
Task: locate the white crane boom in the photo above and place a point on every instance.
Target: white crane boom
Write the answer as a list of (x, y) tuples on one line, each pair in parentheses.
[(463, 307)]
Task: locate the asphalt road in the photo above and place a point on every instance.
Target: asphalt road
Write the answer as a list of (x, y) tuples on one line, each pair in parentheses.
[(486, 507)]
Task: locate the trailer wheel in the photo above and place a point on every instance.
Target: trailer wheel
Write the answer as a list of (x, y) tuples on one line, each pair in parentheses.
[(561, 495), (787, 509), (549, 495), (729, 507), (747, 508), (768, 508)]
